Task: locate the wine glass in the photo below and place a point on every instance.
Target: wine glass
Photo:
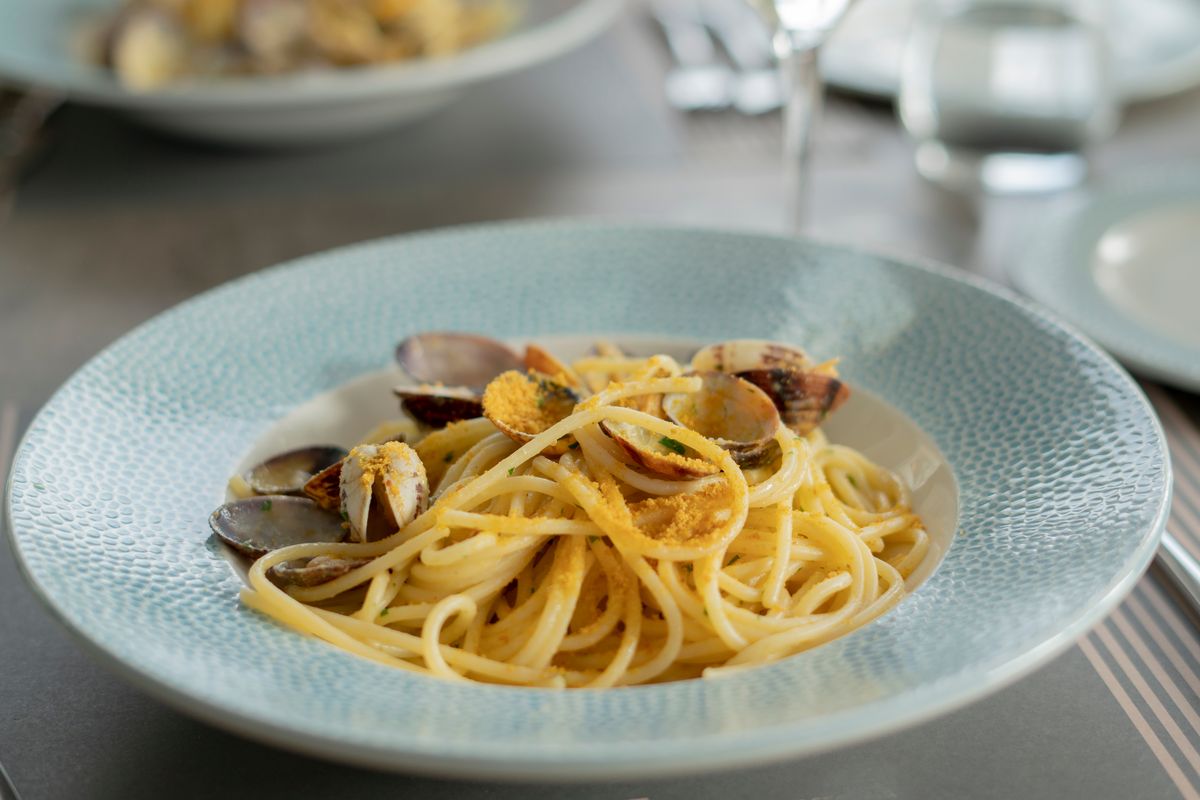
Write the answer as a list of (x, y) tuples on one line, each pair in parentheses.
[(799, 28)]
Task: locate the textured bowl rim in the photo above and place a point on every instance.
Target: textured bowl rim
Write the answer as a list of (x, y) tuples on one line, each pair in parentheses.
[(744, 748), (566, 31)]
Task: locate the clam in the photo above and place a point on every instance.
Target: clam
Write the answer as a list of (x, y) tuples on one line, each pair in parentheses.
[(784, 372), (383, 487), (288, 472), (522, 405), (313, 571), (438, 406), (325, 488), (804, 399), (453, 369), (539, 360), (739, 355), (658, 454), (734, 413), (259, 525), (455, 359), (148, 48)]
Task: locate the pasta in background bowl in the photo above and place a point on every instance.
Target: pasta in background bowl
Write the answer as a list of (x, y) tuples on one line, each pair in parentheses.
[(1060, 465), (57, 44)]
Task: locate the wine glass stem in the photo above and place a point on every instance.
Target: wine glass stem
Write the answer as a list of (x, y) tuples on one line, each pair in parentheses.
[(803, 82)]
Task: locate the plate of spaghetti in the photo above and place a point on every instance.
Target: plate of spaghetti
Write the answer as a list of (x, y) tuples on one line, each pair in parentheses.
[(568, 500), (283, 72)]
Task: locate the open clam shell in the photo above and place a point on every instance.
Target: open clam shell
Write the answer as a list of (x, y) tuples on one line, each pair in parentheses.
[(383, 488), (804, 399), (258, 525), (544, 362), (288, 472), (438, 406), (734, 413), (455, 359), (658, 454), (324, 488), (739, 355), (522, 405)]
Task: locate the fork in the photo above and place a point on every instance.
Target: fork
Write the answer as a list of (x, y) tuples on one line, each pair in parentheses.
[(699, 80), (742, 34)]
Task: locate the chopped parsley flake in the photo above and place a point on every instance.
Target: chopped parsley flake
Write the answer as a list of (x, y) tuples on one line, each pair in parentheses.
[(384, 613), (448, 457), (593, 539), (733, 560), (265, 505), (853, 482), (345, 516), (510, 471), (671, 444)]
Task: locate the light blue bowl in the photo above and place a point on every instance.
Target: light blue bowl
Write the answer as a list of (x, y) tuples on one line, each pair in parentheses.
[(1062, 469)]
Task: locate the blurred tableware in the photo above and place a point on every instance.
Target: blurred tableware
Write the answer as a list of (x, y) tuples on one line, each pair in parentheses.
[(1005, 95), (37, 47), (1122, 267), (799, 28), (8, 790), (1183, 570), (23, 116), (1014, 431), (742, 34), (1155, 47), (698, 80)]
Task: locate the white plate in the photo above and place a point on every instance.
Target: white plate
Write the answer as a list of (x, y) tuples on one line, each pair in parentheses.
[(1156, 44), (1122, 267), (36, 48)]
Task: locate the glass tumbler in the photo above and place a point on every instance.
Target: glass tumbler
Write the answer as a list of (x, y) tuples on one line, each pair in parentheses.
[(1004, 96)]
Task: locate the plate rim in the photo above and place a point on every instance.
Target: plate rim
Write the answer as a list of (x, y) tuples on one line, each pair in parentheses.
[(573, 27), (741, 748), (1057, 248)]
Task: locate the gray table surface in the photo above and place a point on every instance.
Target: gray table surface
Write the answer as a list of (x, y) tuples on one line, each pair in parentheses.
[(118, 224)]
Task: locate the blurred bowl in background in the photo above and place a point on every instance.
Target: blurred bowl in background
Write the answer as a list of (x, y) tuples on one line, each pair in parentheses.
[(37, 48)]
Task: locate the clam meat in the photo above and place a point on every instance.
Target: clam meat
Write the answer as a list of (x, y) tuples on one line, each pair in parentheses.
[(383, 487)]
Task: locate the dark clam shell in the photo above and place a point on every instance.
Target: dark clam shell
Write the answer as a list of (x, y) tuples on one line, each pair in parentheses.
[(287, 472), (804, 399), (455, 359), (439, 406), (258, 525), (313, 571)]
